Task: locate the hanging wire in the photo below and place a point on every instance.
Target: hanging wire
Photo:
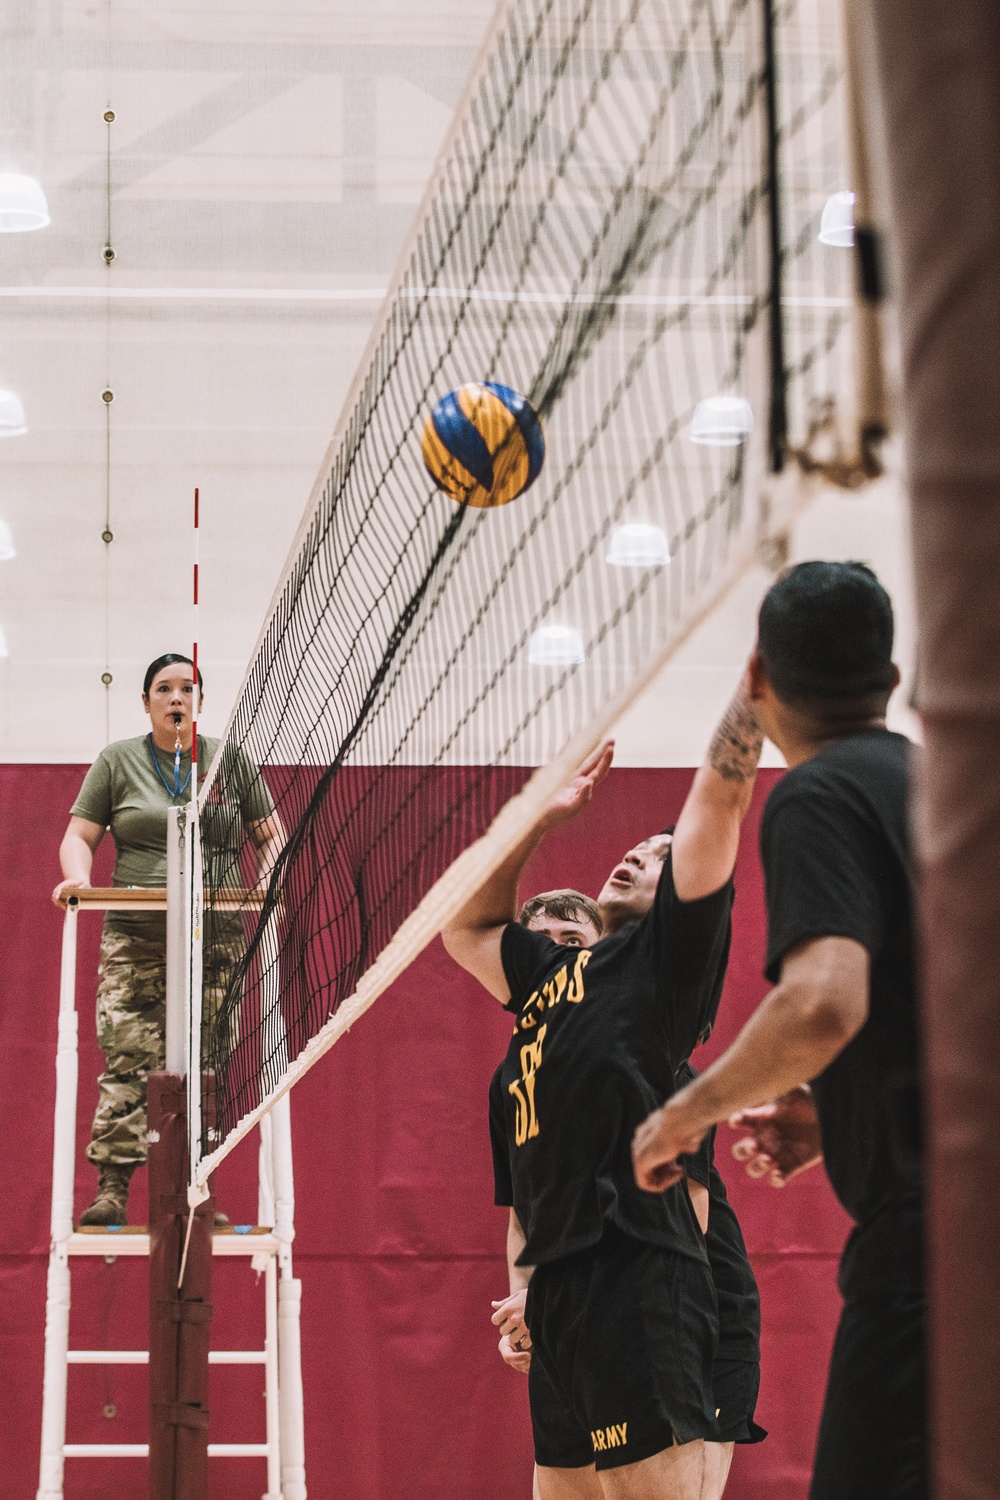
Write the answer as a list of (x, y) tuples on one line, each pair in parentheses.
[(107, 394)]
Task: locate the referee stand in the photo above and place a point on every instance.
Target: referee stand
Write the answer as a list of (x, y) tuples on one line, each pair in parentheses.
[(179, 1353)]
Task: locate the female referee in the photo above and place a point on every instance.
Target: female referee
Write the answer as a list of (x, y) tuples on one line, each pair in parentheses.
[(129, 789)]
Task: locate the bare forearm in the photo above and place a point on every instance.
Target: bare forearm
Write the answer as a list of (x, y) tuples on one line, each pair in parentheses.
[(707, 837), (820, 1004), (270, 840), (496, 902), (783, 1044), (519, 1276), (76, 858), (734, 753)]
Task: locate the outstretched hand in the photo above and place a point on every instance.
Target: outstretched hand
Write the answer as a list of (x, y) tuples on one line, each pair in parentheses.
[(662, 1137), (576, 794), (782, 1139)]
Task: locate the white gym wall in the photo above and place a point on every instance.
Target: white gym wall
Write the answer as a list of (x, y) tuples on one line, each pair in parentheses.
[(265, 162)]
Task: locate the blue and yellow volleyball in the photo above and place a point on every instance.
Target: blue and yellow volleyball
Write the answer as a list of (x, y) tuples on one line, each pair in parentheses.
[(483, 444)]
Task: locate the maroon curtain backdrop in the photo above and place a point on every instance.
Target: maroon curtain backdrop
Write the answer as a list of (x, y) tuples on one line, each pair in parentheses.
[(399, 1246)]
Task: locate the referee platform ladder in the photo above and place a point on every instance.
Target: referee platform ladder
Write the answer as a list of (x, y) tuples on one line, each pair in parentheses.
[(267, 1246)]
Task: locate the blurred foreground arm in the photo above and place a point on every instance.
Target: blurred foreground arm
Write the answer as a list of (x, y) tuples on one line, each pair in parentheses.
[(818, 1006)]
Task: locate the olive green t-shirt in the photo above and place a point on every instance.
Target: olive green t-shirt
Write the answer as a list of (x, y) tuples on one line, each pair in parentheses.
[(123, 792)]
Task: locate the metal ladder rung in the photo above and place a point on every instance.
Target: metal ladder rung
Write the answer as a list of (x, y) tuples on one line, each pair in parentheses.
[(141, 1356), (134, 1240), (141, 1450)]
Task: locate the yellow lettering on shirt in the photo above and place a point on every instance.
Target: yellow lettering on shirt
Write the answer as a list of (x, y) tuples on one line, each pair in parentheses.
[(526, 1120), (553, 991), (621, 1428), (597, 1438), (611, 1436), (575, 992)]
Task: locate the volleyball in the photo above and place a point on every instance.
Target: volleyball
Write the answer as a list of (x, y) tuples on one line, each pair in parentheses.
[(483, 444)]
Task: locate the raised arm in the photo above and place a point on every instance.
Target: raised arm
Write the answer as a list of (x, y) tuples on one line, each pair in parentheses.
[(76, 856), (819, 1005), (472, 938), (707, 835)]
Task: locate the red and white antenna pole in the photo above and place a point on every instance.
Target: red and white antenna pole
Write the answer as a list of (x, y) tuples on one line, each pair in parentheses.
[(194, 659)]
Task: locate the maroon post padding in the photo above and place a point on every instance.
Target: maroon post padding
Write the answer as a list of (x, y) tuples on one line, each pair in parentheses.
[(939, 67), (179, 1317)]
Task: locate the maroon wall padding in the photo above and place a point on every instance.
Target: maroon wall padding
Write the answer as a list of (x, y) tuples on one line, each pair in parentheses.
[(940, 78), (399, 1246)]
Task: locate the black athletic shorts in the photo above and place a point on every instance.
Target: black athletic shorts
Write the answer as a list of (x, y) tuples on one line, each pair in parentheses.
[(873, 1433), (622, 1339), (735, 1383)]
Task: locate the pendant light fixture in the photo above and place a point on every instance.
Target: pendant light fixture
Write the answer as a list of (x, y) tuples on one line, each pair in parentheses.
[(638, 545), (556, 646), (12, 419), (23, 204), (721, 422), (836, 225)]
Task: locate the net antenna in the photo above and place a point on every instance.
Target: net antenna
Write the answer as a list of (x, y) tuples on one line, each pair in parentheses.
[(595, 236)]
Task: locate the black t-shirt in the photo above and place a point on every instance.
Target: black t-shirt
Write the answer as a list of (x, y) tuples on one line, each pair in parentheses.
[(503, 1186), (600, 1033), (735, 1283), (837, 863)]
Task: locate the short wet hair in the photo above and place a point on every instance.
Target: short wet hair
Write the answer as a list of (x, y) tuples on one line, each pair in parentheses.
[(156, 667), (563, 906), (825, 635)]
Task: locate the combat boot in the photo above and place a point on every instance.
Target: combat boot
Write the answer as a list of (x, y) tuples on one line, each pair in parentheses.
[(111, 1204)]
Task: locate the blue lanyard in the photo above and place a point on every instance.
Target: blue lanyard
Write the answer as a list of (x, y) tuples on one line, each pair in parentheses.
[(176, 790)]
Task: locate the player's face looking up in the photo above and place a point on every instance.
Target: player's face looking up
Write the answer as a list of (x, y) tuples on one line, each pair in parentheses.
[(568, 932), (629, 890)]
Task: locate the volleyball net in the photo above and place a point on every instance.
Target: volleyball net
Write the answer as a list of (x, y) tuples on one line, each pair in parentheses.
[(597, 237)]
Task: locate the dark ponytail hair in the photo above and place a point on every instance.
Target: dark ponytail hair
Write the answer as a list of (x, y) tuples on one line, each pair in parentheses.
[(155, 667)]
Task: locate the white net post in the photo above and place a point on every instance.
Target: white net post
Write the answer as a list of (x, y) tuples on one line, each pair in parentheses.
[(293, 1472), (276, 1147), (176, 1051), (57, 1296), (194, 927)]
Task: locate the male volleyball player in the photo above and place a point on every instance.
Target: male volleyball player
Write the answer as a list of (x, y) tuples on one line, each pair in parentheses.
[(843, 1014), (621, 1306), (573, 920)]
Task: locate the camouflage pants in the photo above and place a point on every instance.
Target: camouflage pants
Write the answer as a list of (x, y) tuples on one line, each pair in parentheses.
[(131, 1032)]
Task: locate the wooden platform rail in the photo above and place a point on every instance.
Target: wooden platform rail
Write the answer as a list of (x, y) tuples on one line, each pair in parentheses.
[(154, 898)]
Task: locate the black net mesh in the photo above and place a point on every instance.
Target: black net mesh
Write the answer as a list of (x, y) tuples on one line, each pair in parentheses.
[(596, 239)]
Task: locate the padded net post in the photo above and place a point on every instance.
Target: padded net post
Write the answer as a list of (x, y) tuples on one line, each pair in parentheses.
[(179, 1317)]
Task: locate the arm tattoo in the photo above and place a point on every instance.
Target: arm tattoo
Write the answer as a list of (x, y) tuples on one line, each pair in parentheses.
[(736, 744)]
